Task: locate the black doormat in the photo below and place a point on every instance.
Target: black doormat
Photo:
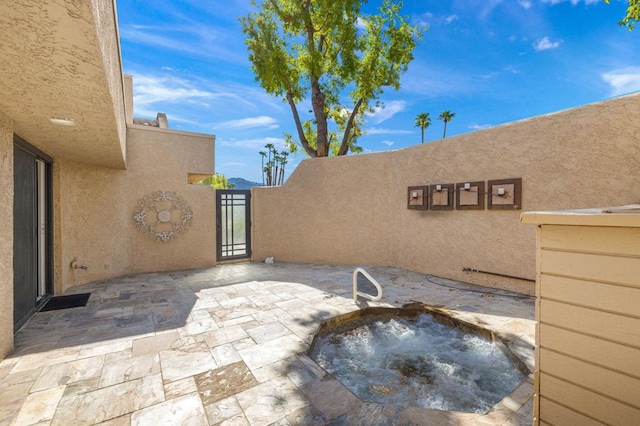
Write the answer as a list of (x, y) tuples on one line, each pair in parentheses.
[(66, 302)]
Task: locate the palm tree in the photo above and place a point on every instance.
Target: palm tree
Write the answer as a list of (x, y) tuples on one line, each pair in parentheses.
[(446, 116), (263, 155), (423, 121), (283, 162)]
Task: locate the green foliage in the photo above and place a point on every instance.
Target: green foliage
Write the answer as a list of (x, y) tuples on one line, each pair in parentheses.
[(218, 181), (317, 50), (446, 116), (633, 15), (273, 170), (423, 121), (333, 136)]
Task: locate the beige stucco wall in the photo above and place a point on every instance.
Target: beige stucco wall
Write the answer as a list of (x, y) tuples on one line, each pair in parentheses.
[(61, 59), (95, 206), (106, 24), (161, 159), (6, 231), (352, 210), (91, 223)]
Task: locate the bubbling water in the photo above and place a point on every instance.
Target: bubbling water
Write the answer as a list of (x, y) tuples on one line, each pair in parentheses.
[(418, 362)]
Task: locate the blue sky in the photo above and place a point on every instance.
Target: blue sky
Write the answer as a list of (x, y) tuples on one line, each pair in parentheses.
[(489, 61)]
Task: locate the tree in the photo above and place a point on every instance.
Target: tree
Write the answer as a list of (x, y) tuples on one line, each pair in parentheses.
[(263, 155), (316, 50), (423, 121), (633, 15), (273, 171), (218, 181), (446, 116)]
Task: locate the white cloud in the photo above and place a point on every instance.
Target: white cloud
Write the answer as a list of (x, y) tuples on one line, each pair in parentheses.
[(186, 38), (361, 24), (545, 43), (422, 20), (479, 126), (379, 131), (430, 81), (150, 90), (386, 111), (624, 80), (252, 144), (573, 2), (526, 4), (251, 122), (449, 19), (196, 97), (388, 143)]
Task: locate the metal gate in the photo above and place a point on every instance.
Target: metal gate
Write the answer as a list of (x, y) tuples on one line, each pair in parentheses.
[(233, 222)]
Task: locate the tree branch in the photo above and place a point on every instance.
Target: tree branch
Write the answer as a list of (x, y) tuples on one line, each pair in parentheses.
[(280, 13), (344, 147), (303, 139)]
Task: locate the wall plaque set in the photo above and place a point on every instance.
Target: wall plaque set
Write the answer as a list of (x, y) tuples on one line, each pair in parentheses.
[(501, 194)]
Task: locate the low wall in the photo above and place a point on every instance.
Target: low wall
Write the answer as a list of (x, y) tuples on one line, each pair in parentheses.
[(353, 210)]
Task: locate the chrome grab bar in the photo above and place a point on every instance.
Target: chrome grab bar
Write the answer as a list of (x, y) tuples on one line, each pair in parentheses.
[(372, 280)]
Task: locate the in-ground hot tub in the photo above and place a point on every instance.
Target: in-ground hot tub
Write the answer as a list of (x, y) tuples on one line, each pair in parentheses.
[(417, 356)]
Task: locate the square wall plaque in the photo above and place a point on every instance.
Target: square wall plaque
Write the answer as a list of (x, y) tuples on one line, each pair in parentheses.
[(417, 197), (470, 196), (505, 194), (441, 196)]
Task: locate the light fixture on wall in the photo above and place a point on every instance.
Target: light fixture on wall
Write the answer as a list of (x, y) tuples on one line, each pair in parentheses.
[(505, 194), (417, 197), (467, 186), (438, 187), (69, 122)]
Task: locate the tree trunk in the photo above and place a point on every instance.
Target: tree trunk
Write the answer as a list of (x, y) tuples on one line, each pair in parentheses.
[(303, 139), (344, 147), (317, 102)]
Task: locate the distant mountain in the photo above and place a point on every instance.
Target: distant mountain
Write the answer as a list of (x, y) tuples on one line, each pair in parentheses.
[(240, 183)]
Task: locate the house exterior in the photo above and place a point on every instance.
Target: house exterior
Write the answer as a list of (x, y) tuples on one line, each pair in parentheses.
[(88, 193), (75, 169)]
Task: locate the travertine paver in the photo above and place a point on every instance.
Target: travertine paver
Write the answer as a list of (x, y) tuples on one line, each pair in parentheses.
[(225, 346)]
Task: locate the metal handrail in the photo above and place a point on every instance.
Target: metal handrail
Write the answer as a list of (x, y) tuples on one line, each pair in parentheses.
[(372, 280)]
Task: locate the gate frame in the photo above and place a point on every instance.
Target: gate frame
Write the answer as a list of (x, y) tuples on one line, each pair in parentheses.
[(247, 193)]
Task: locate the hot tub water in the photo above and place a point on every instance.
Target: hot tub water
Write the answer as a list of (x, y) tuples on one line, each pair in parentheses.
[(418, 362)]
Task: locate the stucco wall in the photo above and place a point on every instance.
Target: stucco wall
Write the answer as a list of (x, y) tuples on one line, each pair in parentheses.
[(161, 159), (95, 206), (6, 231), (104, 14), (352, 210), (91, 223)]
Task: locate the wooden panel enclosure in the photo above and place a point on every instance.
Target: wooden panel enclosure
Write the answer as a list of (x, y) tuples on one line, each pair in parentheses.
[(588, 313)]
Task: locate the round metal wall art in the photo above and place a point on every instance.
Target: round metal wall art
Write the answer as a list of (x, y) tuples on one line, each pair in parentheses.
[(162, 215)]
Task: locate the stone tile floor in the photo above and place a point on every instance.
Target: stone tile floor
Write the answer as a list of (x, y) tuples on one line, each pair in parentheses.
[(226, 346)]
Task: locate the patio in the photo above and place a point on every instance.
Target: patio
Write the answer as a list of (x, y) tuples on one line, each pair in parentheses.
[(225, 345)]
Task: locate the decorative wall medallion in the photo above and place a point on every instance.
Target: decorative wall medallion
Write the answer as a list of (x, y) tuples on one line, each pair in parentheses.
[(162, 215)]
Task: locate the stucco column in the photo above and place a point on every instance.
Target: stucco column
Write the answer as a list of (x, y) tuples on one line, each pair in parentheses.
[(6, 235)]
